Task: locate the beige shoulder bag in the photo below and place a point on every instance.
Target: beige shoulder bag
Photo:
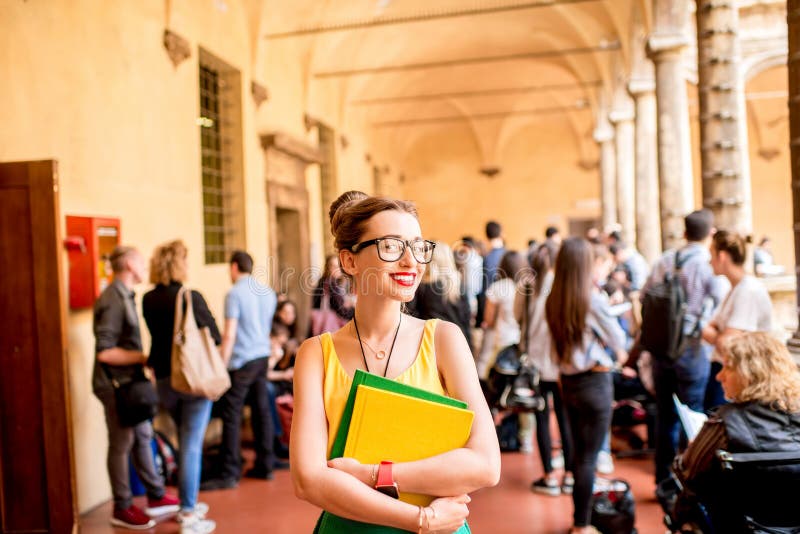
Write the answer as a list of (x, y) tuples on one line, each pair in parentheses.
[(197, 366)]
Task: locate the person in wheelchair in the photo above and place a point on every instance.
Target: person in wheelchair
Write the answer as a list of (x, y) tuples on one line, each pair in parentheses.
[(739, 469)]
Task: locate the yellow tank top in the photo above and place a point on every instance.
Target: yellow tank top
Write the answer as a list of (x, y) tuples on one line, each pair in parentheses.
[(423, 373)]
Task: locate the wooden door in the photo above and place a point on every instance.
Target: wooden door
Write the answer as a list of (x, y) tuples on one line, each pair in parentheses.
[(36, 463)]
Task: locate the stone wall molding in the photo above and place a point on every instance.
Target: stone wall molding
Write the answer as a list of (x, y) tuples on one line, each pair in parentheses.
[(178, 48)]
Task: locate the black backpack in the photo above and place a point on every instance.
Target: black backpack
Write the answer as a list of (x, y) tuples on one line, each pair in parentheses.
[(663, 310)]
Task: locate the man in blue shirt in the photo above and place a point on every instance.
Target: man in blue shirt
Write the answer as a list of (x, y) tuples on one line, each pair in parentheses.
[(490, 264), (249, 307)]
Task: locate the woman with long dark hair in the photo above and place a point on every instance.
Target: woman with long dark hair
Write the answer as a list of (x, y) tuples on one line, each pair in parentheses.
[(581, 328), (538, 347)]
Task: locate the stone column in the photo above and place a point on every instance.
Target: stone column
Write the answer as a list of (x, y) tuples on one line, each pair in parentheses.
[(648, 231), (624, 153), (604, 137), (723, 116), (666, 48), (793, 17)]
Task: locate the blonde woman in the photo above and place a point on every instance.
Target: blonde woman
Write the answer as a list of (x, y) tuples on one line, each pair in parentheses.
[(762, 382), (439, 295), (168, 271)]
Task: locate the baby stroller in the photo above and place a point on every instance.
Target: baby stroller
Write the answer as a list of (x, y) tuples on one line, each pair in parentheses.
[(513, 383)]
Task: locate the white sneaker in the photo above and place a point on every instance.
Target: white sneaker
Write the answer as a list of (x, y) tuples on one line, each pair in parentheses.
[(557, 462), (605, 463), (200, 510), (194, 524)]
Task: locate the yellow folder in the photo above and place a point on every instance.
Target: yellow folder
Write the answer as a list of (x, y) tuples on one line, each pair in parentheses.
[(399, 428)]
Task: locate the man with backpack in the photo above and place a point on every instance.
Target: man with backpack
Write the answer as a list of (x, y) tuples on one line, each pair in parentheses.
[(678, 299)]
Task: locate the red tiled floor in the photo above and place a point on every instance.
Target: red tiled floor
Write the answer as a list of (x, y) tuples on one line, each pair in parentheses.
[(509, 508)]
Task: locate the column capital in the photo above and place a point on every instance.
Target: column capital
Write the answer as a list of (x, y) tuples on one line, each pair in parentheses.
[(603, 133), (665, 43), (619, 116), (641, 87)]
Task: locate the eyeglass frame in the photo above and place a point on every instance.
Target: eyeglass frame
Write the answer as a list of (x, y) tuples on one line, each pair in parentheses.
[(358, 247)]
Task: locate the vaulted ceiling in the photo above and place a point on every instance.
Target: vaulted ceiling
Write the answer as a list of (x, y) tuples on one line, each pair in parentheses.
[(404, 68)]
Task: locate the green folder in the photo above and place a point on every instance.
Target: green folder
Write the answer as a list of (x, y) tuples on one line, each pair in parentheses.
[(332, 524), (375, 381)]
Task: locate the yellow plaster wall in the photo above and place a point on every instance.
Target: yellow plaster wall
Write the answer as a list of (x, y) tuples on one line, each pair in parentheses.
[(540, 184), (94, 88), (770, 164)]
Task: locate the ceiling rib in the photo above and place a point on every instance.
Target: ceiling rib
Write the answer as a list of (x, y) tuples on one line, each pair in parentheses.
[(420, 17), (473, 94), (603, 47), (582, 106)]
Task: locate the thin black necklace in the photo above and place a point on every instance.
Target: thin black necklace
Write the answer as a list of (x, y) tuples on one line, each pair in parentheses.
[(361, 345)]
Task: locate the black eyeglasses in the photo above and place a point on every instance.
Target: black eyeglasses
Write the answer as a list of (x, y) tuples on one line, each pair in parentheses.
[(393, 248)]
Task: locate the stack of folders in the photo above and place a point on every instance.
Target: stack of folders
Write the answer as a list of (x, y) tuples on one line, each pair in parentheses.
[(387, 420)]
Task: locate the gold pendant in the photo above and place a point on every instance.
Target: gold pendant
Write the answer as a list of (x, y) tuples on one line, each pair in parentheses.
[(381, 354)]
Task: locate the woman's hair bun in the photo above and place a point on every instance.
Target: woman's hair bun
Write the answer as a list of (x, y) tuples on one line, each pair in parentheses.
[(346, 199)]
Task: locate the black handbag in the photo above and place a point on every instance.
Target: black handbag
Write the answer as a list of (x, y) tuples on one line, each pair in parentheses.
[(613, 507), (136, 398)]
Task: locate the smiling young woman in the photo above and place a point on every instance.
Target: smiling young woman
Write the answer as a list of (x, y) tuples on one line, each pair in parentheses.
[(382, 251)]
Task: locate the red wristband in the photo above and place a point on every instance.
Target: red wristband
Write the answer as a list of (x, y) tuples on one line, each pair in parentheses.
[(385, 483)]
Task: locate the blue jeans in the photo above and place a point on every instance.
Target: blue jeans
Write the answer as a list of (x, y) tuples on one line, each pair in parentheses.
[(191, 415), (687, 378)]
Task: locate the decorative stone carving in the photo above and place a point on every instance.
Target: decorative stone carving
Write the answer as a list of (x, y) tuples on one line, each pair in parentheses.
[(310, 122), (489, 171), (768, 153), (291, 146), (178, 48), (259, 92)]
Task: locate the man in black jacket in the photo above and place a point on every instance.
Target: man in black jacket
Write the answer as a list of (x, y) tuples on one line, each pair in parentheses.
[(119, 356)]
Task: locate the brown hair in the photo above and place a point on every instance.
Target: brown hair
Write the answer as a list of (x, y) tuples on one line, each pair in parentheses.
[(168, 263), (511, 266), (118, 257), (732, 243), (766, 369), (568, 303), (543, 260), (350, 212), (326, 273)]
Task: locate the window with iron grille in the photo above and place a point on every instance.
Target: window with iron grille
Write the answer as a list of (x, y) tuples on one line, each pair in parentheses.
[(220, 158)]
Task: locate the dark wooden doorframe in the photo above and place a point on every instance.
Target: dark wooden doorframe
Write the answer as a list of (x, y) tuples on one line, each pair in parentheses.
[(37, 483)]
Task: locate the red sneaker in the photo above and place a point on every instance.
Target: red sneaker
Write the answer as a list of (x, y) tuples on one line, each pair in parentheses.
[(167, 504), (132, 518)]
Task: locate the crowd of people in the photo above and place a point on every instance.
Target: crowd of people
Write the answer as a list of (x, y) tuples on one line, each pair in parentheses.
[(574, 305)]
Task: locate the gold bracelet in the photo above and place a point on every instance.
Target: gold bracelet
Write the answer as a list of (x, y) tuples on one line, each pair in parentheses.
[(374, 474), (421, 513), (428, 519)]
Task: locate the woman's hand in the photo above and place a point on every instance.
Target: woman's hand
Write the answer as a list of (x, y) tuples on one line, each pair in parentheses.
[(353, 467), (446, 515)]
